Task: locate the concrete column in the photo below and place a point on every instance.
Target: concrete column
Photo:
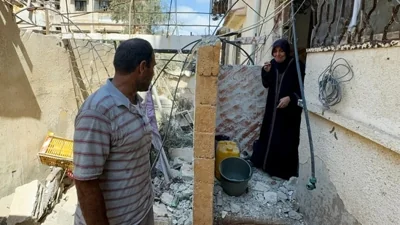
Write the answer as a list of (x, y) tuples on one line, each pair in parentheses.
[(208, 60)]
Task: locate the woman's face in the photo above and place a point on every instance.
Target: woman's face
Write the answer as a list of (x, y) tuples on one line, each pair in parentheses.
[(279, 54)]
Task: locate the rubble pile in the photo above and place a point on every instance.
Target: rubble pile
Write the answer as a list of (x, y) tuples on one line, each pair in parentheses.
[(31, 202), (174, 200), (267, 199)]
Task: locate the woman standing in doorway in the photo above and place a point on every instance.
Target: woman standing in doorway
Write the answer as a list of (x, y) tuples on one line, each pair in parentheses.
[(276, 151)]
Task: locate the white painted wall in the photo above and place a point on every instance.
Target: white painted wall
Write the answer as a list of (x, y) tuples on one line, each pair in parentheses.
[(358, 164)]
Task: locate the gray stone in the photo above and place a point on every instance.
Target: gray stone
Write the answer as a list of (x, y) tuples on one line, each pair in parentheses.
[(271, 197), (186, 154), (219, 199), (177, 163), (282, 196), (187, 172), (167, 199), (160, 210), (294, 215), (175, 173), (259, 186), (283, 189), (291, 184), (235, 208), (162, 221)]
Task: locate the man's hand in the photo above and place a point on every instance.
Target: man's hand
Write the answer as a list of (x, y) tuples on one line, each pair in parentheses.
[(91, 201), (267, 66), (284, 102)]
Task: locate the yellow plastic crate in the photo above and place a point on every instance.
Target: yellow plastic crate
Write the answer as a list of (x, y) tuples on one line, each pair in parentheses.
[(57, 151)]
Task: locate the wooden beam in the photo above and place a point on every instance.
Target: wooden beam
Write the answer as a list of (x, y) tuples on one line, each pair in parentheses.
[(172, 42)]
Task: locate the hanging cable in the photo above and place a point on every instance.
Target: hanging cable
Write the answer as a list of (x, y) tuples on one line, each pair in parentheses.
[(330, 91), (330, 80), (271, 16), (238, 46), (313, 180), (270, 33)]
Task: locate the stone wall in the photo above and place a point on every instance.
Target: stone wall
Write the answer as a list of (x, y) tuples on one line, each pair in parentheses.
[(204, 133)]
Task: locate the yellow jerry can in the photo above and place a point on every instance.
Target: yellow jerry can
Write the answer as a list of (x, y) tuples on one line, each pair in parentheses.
[(225, 149)]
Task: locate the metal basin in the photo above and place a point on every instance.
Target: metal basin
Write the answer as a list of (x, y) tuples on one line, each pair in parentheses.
[(235, 174)]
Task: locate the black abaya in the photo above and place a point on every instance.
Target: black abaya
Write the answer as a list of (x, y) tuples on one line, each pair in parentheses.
[(276, 151)]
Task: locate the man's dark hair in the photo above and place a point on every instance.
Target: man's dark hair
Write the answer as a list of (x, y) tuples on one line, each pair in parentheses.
[(131, 53)]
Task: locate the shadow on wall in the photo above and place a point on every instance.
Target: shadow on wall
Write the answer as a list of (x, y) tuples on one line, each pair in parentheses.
[(331, 210), (16, 93)]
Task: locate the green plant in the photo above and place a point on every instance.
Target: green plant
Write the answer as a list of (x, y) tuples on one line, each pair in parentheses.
[(145, 15)]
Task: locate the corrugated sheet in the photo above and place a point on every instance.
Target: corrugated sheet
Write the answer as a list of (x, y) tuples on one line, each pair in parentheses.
[(241, 103)]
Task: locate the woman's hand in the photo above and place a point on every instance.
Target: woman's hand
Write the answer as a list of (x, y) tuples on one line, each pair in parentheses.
[(284, 102), (267, 66)]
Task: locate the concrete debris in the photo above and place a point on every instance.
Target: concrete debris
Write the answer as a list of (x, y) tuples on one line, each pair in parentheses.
[(260, 186), (268, 199), (26, 205), (186, 154), (271, 197), (187, 172), (5, 204), (174, 200)]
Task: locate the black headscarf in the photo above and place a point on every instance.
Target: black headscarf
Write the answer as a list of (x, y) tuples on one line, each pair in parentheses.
[(285, 46)]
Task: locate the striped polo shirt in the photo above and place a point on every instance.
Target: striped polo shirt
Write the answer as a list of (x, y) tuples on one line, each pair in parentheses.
[(112, 142)]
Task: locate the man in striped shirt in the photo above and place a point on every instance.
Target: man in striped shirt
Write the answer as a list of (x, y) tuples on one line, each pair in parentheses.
[(112, 141)]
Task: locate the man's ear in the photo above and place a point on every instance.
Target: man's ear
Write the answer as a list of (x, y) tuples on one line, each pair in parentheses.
[(142, 66)]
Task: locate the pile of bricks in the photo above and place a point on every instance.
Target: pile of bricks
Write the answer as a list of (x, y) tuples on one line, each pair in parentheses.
[(207, 71)]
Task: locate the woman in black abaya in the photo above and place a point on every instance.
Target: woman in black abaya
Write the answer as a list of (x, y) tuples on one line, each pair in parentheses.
[(276, 151)]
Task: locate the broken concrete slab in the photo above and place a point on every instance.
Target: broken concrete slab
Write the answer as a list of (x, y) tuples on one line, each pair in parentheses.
[(162, 221), (5, 204), (186, 154), (26, 205), (187, 172)]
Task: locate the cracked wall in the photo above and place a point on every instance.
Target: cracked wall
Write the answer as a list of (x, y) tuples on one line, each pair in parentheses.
[(356, 142), (36, 96)]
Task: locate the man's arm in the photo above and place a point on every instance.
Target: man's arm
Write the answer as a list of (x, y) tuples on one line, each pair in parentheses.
[(91, 202), (91, 148)]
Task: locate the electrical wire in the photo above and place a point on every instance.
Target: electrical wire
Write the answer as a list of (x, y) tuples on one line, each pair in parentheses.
[(284, 24), (238, 46), (271, 16), (330, 91), (330, 80), (63, 16)]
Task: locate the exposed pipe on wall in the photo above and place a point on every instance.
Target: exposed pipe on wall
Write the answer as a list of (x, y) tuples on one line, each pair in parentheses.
[(356, 10), (313, 180), (256, 18)]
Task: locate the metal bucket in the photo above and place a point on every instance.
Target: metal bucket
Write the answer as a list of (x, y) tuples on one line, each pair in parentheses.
[(235, 175)]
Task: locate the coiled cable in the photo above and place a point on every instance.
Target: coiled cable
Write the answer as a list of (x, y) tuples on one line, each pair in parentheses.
[(330, 80)]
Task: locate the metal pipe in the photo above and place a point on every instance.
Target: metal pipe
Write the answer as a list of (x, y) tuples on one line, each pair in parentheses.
[(130, 17), (256, 18), (313, 180)]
